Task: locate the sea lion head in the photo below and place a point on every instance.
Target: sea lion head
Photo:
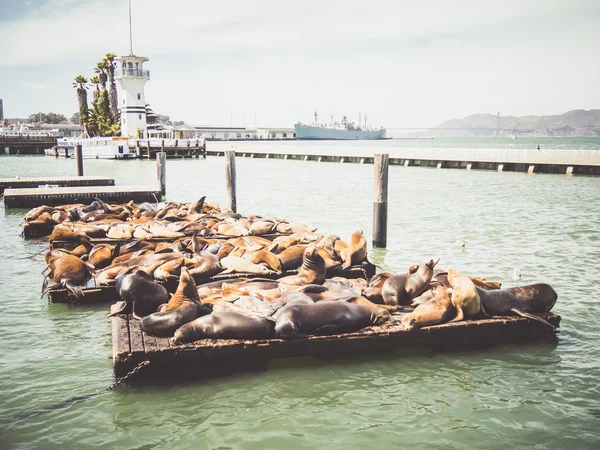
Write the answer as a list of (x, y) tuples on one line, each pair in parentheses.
[(432, 263), (186, 291), (408, 321)]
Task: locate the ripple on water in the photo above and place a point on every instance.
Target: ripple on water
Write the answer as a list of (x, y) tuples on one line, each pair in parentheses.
[(525, 396)]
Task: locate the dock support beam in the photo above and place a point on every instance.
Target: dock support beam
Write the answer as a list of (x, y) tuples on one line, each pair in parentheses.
[(161, 171), (230, 179), (382, 162), (79, 155)]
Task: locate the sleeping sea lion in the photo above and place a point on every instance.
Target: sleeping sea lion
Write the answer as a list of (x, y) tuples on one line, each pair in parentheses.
[(432, 312), (401, 289), (326, 318), (224, 325), (520, 300)]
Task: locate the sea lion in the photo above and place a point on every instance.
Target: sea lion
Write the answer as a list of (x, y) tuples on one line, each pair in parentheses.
[(224, 325), (330, 256), (326, 318), (432, 312), (241, 265), (464, 296), (312, 271), (102, 255), (183, 307), (401, 289), (520, 300), (356, 251), (140, 294), (62, 233), (68, 271), (373, 291), (291, 257), (266, 257)]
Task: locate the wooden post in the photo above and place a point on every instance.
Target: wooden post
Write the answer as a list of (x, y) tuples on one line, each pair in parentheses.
[(382, 161), (79, 155), (230, 178), (138, 149), (148, 147), (162, 146), (161, 171)]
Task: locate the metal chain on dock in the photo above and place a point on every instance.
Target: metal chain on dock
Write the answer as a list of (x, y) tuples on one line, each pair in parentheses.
[(131, 373)]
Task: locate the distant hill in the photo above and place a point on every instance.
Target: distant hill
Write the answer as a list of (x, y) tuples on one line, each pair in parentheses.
[(578, 122)]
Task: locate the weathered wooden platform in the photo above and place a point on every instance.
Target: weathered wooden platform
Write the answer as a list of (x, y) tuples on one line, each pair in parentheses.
[(93, 293), (32, 197), (20, 183), (70, 245), (211, 357)]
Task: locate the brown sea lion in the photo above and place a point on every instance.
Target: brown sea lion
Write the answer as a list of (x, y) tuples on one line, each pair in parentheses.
[(330, 256), (373, 291), (102, 255), (70, 272), (241, 265), (62, 233), (183, 307), (326, 318), (464, 296), (401, 289), (356, 251), (437, 310), (291, 258), (266, 257), (312, 271)]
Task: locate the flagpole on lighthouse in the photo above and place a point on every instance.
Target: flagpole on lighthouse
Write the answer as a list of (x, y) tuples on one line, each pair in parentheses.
[(130, 32)]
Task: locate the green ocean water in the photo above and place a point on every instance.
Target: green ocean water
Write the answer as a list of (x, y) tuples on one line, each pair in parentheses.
[(520, 396)]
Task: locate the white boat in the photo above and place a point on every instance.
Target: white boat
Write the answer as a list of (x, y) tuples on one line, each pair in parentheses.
[(94, 148)]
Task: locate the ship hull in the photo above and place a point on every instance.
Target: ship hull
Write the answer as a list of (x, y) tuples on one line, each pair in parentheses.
[(321, 133)]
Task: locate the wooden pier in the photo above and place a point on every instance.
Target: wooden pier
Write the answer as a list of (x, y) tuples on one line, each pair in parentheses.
[(93, 293), (25, 145), (20, 183), (210, 357), (32, 197)]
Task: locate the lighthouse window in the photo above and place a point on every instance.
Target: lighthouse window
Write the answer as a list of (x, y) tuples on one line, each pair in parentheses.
[(140, 116), (139, 96)]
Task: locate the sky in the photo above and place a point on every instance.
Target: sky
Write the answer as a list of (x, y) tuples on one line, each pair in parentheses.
[(273, 62)]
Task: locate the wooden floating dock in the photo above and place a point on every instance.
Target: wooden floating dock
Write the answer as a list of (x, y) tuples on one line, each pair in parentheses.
[(32, 197), (20, 183), (93, 294), (211, 357), (557, 161)]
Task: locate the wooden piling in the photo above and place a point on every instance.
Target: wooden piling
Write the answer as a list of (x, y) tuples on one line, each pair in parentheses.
[(230, 178), (382, 162), (148, 147), (161, 171), (79, 155)]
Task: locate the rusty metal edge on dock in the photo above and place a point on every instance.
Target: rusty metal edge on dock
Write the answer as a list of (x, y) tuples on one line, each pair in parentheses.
[(211, 357), (105, 294)]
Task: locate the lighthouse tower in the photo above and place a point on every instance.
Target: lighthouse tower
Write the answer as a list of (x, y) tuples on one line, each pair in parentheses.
[(132, 77)]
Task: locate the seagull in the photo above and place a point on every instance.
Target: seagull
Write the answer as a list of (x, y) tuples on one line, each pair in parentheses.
[(516, 276), (459, 244)]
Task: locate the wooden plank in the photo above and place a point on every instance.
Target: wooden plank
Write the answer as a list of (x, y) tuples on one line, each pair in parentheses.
[(32, 197), (34, 182), (213, 357), (120, 332), (135, 336)]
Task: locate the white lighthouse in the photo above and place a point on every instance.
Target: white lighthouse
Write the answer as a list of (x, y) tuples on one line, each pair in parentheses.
[(132, 102)]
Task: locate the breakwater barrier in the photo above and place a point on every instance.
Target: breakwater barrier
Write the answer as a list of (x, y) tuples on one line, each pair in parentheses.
[(557, 161)]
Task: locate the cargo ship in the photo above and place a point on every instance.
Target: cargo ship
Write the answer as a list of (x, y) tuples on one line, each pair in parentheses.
[(344, 130)]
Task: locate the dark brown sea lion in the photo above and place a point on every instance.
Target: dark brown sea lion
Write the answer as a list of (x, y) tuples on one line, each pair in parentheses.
[(312, 271), (356, 251), (291, 258), (432, 312), (520, 300), (224, 325), (141, 295), (401, 289), (373, 292), (183, 307), (326, 318), (266, 257)]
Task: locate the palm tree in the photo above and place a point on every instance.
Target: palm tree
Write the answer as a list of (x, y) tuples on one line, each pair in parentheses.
[(81, 85), (96, 81), (109, 58), (101, 69)]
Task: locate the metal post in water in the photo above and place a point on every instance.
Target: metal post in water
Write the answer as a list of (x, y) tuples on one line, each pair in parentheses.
[(230, 178), (382, 162), (161, 171), (79, 155)]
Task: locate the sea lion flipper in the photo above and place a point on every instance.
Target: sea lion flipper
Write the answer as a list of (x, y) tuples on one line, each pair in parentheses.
[(484, 313), (121, 309), (533, 317), (460, 315)]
